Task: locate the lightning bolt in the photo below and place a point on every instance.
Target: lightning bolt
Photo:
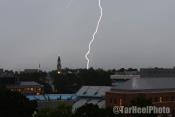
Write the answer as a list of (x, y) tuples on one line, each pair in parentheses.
[(93, 36)]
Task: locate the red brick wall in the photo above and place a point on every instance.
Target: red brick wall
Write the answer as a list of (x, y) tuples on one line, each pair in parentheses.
[(114, 98)]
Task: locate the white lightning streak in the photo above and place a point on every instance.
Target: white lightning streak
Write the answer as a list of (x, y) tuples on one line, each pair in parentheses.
[(93, 36)]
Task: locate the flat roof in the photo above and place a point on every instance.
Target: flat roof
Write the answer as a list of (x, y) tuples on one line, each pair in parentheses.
[(29, 83), (118, 76), (147, 84), (93, 91), (25, 84), (46, 97)]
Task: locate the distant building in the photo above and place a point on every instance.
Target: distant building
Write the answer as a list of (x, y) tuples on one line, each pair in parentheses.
[(127, 72), (123, 75), (31, 70), (1, 70), (59, 63), (157, 72), (6, 73), (52, 100), (7, 77), (27, 88), (161, 91), (91, 95), (118, 79)]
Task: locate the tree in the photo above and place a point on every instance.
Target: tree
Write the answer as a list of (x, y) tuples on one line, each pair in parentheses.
[(14, 104), (90, 110), (44, 113), (62, 110), (72, 79)]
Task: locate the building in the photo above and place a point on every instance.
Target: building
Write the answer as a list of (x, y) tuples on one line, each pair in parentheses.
[(91, 95), (31, 70), (1, 71), (118, 79), (27, 88), (161, 92), (6, 73), (123, 75), (59, 63), (52, 100), (7, 77), (157, 72)]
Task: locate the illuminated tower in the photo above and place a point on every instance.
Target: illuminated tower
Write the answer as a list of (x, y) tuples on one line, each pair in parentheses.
[(59, 64)]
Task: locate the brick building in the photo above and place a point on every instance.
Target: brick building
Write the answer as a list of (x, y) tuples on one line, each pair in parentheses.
[(161, 92)]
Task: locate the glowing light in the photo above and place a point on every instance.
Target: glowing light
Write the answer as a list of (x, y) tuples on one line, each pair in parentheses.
[(93, 36), (59, 72)]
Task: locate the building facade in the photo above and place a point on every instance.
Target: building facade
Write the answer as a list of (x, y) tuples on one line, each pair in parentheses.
[(160, 91), (31, 70), (27, 88)]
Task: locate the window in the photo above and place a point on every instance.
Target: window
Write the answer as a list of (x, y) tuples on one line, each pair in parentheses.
[(39, 89), (156, 99), (172, 98), (31, 89), (121, 102), (110, 100), (160, 99), (167, 98), (151, 99), (115, 101)]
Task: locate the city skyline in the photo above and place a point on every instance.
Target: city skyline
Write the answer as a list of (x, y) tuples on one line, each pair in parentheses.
[(132, 34)]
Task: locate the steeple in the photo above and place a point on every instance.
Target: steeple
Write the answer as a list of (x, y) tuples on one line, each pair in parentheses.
[(59, 63)]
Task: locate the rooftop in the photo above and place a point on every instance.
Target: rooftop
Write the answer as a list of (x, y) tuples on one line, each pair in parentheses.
[(118, 77), (29, 83), (93, 91), (147, 84), (47, 97)]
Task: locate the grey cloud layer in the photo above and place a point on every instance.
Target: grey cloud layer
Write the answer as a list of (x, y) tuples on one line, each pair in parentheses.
[(133, 33)]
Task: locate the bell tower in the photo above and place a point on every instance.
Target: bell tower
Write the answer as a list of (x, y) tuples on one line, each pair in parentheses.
[(59, 63)]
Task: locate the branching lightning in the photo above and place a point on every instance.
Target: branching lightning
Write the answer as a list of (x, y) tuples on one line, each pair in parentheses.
[(93, 36)]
